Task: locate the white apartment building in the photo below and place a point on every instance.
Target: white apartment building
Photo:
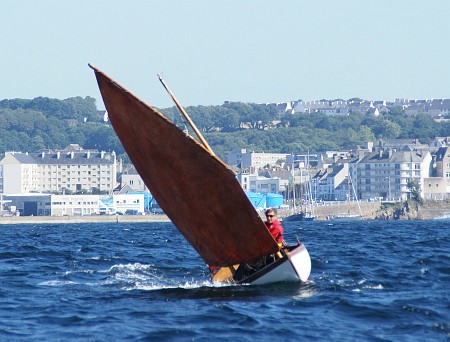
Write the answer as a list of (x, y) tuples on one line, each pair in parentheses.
[(386, 173), (72, 169), (254, 160), (133, 180), (255, 183), (333, 184)]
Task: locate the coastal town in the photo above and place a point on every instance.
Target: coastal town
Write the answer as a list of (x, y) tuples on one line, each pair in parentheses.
[(75, 182)]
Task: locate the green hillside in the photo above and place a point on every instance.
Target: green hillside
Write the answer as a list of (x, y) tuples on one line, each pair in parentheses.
[(44, 123)]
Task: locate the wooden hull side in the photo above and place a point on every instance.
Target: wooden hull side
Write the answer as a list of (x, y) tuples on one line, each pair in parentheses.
[(196, 190)]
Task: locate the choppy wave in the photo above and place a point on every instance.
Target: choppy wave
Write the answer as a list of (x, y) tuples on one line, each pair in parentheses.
[(374, 281)]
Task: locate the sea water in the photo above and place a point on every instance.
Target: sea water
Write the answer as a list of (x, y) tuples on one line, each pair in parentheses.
[(370, 281)]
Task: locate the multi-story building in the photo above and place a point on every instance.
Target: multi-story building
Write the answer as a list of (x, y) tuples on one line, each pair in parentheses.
[(387, 174), (72, 169), (255, 183), (379, 172), (443, 163), (254, 160), (302, 159), (132, 178), (332, 184), (438, 187)]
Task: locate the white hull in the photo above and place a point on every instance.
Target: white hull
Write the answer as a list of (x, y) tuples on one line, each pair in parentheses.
[(295, 266), (346, 218)]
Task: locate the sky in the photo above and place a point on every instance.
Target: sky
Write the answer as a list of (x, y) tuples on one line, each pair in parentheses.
[(211, 51)]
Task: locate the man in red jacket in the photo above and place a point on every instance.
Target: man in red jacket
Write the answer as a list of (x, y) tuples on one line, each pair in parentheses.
[(274, 226)]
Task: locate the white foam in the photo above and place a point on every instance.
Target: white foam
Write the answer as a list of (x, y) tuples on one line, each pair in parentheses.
[(56, 283)]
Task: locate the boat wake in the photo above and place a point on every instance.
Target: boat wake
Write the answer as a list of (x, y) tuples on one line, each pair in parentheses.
[(184, 283), (135, 276), (148, 278)]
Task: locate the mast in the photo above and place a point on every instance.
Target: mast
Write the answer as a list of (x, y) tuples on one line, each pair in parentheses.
[(186, 116), (294, 206), (301, 189), (356, 196), (309, 187)]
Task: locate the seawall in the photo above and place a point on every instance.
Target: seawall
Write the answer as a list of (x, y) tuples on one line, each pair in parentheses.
[(83, 219), (370, 210), (324, 210)]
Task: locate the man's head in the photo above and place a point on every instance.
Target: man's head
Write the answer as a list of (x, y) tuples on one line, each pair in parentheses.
[(271, 215)]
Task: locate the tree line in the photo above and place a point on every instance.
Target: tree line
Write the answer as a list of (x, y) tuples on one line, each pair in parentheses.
[(44, 123)]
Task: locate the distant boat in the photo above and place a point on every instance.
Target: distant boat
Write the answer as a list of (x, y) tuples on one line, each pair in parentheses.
[(299, 217), (200, 194), (446, 216), (348, 216), (345, 217)]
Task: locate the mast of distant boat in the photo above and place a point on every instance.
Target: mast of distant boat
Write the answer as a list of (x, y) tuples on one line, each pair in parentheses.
[(355, 194), (186, 116)]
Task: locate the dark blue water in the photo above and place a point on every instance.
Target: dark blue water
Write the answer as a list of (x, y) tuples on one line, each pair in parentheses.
[(371, 281)]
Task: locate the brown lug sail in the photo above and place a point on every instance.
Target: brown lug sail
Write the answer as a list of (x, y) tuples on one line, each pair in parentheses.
[(196, 190)]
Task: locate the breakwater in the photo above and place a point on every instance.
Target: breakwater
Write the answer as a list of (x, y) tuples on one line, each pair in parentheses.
[(369, 211), (324, 210), (83, 219), (377, 210)]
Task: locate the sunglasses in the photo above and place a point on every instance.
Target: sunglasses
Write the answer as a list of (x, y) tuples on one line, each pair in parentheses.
[(270, 215)]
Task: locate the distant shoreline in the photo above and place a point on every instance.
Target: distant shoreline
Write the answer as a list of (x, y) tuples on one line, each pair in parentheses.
[(369, 210), (82, 219)]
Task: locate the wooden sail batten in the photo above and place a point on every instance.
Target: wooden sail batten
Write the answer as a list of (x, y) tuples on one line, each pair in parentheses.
[(186, 116)]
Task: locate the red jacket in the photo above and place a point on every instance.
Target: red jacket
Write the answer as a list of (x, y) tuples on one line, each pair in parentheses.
[(276, 230)]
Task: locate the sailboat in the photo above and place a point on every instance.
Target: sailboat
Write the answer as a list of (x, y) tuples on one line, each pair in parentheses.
[(302, 215), (200, 194), (348, 216)]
